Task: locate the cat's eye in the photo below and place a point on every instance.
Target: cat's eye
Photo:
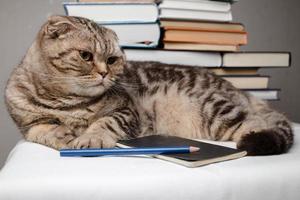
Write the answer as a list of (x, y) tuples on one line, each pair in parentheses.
[(85, 55), (111, 60)]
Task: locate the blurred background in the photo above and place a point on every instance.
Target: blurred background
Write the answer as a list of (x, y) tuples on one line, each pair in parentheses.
[(272, 25)]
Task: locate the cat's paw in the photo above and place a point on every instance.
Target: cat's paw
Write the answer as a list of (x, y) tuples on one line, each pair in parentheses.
[(93, 140), (54, 136), (64, 137)]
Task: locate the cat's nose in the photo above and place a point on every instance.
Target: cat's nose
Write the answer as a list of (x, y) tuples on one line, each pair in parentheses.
[(103, 73)]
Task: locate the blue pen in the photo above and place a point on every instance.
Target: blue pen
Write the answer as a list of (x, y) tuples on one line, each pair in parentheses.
[(126, 151)]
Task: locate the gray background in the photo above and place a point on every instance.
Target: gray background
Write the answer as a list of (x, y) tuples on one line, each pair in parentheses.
[(272, 25)]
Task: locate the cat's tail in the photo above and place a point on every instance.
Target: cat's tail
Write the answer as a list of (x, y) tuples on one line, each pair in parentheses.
[(269, 132)]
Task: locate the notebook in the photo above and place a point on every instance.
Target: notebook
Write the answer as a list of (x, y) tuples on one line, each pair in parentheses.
[(208, 154)]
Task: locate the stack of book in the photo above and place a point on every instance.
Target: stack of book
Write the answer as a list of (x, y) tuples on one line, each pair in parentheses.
[(187, 32), (200, 25), (239, 68)]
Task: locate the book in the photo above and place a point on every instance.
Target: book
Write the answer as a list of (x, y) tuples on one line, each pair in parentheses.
[(199, 47), (193, 58), (108, 13), (264, 94), (230, 1), (206, 37), (208, 153), (119, 1), (136, 35), (257, 59), (196, 5), (248, 82), (167, 13), (202, 25), (233, 71)]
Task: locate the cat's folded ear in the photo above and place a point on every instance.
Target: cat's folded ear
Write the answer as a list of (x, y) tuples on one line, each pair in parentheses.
[(57, 26)]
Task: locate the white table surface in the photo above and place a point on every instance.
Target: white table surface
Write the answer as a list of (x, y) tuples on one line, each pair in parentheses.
[(33, 171)]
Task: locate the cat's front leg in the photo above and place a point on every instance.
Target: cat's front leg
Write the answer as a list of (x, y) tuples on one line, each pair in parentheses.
[(106, 131), (52, 135), (96, 136)]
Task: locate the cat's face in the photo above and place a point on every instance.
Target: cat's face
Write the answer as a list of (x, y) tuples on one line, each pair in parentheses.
[(82, 58)]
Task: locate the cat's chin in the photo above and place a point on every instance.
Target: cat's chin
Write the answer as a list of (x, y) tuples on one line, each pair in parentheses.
[(91, 91)]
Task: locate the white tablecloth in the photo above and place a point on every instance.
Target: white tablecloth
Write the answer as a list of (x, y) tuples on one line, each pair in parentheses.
[(34, 171)]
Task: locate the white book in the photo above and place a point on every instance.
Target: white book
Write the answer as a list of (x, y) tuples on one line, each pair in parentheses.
[(166, 13), (193, 0), (196, 5), (114, 12), (248, 82), (194, 58), (136, 35), (268, 94), (257, 59)]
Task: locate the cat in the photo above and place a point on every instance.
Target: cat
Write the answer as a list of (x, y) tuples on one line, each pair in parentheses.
[(75, 89)]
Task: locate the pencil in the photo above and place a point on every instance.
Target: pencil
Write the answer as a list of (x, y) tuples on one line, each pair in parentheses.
[(127, 151)]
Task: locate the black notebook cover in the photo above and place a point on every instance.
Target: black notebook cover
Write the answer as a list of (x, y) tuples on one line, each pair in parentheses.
[(209, 153)]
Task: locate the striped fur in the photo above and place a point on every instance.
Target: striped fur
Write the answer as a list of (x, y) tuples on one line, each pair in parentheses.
[(195, 103), (75, 89)]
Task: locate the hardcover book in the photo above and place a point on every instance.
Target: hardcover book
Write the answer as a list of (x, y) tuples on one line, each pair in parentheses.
[(206, 37), (108, 13), (168, 13), (230, 1), (137, 35), (200, 47), (193, 58), (208, 153), (234, 71), (264, 94), (257, 59), (248, 82), (202, 25), (196, 5)]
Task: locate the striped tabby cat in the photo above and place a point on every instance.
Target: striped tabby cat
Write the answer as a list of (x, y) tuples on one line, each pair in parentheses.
[(75, 89)]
